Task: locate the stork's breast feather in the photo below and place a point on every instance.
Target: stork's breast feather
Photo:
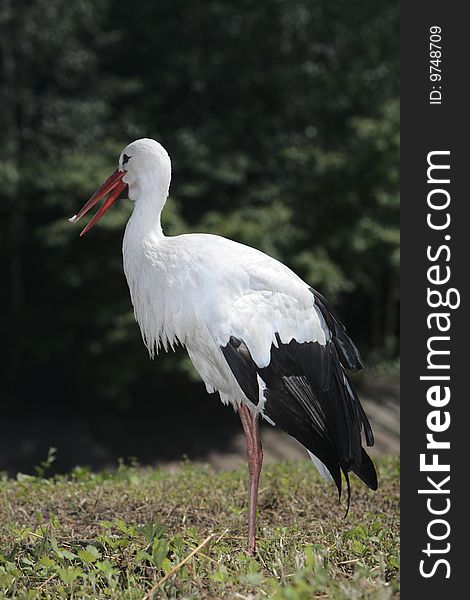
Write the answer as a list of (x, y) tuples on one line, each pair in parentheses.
[(194, 283)]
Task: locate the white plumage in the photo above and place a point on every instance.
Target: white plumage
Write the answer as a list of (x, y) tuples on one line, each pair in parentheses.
[(255, 332), (209, 289), (198, 290)]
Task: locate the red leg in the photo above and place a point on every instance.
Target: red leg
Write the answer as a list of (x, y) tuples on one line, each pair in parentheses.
[(254, 453)]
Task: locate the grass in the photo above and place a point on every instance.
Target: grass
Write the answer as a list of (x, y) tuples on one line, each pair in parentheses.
[(119, 535)]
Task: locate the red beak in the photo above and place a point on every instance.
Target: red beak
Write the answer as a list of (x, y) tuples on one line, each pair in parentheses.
[(113, 186)]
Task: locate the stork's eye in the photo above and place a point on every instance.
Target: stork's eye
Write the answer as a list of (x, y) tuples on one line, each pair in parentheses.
[(125, 159)]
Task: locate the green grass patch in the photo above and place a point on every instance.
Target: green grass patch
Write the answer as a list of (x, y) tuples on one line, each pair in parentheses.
[(116, 535)]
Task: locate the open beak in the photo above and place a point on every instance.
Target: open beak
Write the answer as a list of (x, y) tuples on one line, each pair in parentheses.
[(114, 186)]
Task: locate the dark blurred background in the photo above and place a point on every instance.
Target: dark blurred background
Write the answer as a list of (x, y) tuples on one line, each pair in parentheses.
[(281, 118)]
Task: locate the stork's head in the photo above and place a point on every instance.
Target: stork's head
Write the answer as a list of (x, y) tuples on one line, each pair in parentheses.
[(144, 170)]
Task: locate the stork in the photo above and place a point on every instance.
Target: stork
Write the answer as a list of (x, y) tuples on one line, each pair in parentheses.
[(256, 333)]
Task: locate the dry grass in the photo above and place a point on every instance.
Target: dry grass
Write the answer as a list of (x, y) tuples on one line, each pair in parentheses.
[(117, 535)]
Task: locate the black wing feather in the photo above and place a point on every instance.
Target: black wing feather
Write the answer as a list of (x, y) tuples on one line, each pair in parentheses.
[(310, 396), (243, 367), (347, 351)]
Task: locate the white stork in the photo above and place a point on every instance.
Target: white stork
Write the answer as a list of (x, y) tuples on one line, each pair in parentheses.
[(255, 332)]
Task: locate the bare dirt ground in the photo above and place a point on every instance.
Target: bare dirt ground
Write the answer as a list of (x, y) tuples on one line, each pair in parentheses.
[(204, 431), (381, 402)]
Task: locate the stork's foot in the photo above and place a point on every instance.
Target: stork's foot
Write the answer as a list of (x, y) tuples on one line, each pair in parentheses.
[(254, 452)]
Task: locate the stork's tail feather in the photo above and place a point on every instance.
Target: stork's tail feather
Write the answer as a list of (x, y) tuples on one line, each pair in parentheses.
[(366, 471)]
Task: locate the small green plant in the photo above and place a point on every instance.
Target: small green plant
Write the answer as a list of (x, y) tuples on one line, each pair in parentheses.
[(128, 535), (44, 466)]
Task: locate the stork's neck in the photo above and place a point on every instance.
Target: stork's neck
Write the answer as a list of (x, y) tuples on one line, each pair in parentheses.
[(149, 201), (144, 259)]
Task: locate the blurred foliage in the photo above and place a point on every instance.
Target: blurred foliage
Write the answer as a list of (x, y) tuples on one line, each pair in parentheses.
[(281, 118)]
